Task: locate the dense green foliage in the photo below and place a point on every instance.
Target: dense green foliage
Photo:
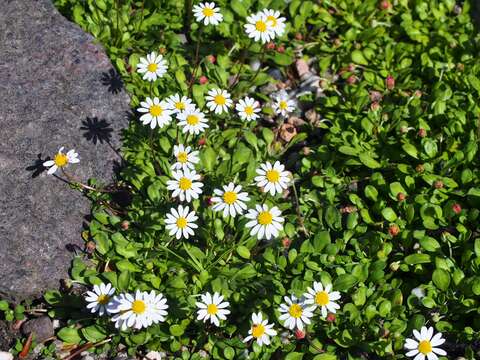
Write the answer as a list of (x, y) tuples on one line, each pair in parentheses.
[(388, 183)]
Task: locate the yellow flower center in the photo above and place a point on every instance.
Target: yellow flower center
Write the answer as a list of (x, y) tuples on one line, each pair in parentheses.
[(156, 110), (248, 110), (258, 330), (192, 120), (283, 105), (272, 20), (425, 347), (60, 159), (272, 176), (219, 100), (185, 183), (139, 307), (103, 299), (182, 157), (265, 218), (321, 298), (181, 222), (261, 26), (212, 309), (180, 105), (229, 197), (208, 12), (152, 67), (295, 311)]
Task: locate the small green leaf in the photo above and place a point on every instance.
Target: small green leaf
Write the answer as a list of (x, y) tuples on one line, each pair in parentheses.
[(441, 279), (389, 214), (69, 336), (417, 259), (243, 252), (368, 161)]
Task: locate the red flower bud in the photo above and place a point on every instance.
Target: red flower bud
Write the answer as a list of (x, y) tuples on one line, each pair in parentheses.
[(281, 49), (438, 184), (393, 230), (298, 36), (286, 242), (270, 45), (390, 82), (202, 141), (125, 225), (374, 106), (299, 334), (212, 59), (331, 317), (457, 208), (385, 5), (401, 196), (203, 80), (422, 132), (352, 79), (351, 67)]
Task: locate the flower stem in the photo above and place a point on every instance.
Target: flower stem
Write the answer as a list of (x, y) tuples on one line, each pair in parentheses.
[(197, 62), (262, 58), (72, 181), (141, 16)]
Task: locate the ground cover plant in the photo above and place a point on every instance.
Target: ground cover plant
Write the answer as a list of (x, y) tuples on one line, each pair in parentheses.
[(355, 238)]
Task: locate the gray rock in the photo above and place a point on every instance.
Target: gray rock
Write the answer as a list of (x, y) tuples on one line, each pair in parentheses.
[(42, 328), (57, 88)]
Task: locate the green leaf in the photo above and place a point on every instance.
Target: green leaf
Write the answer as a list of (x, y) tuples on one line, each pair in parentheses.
[(368, 161), (177, 330), (209, 157), (294, 356), (321, 240), (417, 259), (243, 252), (239, 7), (3, 305), (94, 333), (441, 279), (358, 58), (123, 280), (410, 150), (344, 282), (283, 59), (371, 192), (389, 214), (325, 357), (69, 336)]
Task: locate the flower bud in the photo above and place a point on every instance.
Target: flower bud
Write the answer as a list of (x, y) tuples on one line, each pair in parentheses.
[(286, 242), (212, 59), (162, 50), (374, 106), (422, 132), (393, 230), (401, 196), (202, 141), (203, 80), (281, 49), (125, 225), (394, 266), (438, 184), (270, 45), (90, 247), (299, 334), (331, 317), (298, 36), (385, 5), (390, 82), (457, 208), (420, 168), (352, 79)]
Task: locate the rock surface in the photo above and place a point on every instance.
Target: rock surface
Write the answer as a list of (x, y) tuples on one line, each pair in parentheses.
[(42, 327), (57, 88)]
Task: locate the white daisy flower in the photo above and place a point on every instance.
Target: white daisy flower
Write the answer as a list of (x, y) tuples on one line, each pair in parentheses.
[(186, 158), (218, 101), (323, 297), (153, 67), (265, 223), (185, 185), (425, 345), (261, 330), (283, 105), (193, 121), (295, 313), (208, 13), (259, 29), (61, 160), (272, 178), (156, 112), (139, 310), (99, 298), (248, 108), (275, 22), (181, 222), (177, 103), (213, 308), (230, 200)]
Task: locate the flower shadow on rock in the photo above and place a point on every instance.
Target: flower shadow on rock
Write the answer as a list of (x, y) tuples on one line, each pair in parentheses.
[(37, 167), (113, 80), (96, 130)]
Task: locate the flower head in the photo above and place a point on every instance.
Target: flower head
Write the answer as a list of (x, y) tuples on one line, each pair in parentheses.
[(248, 109), (272, 178), (213, 308), (323, 297), (230, 200), (139, 310), (425, 344), (61, 160), (295, 313), (258, 28), (181, 222), (99, 298), (156, 112), (265, 222), (260, 330), (193, 121), (177, 103), (153, 67), (283, 106), (185, 185), (208, 13), (185, 158), (275, 21), (218, 101)]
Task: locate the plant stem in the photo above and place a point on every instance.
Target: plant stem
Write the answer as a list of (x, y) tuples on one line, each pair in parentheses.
[(72, 181), (197, 62), (141, 16), (301, 221), (188, 18), (262, 58)]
